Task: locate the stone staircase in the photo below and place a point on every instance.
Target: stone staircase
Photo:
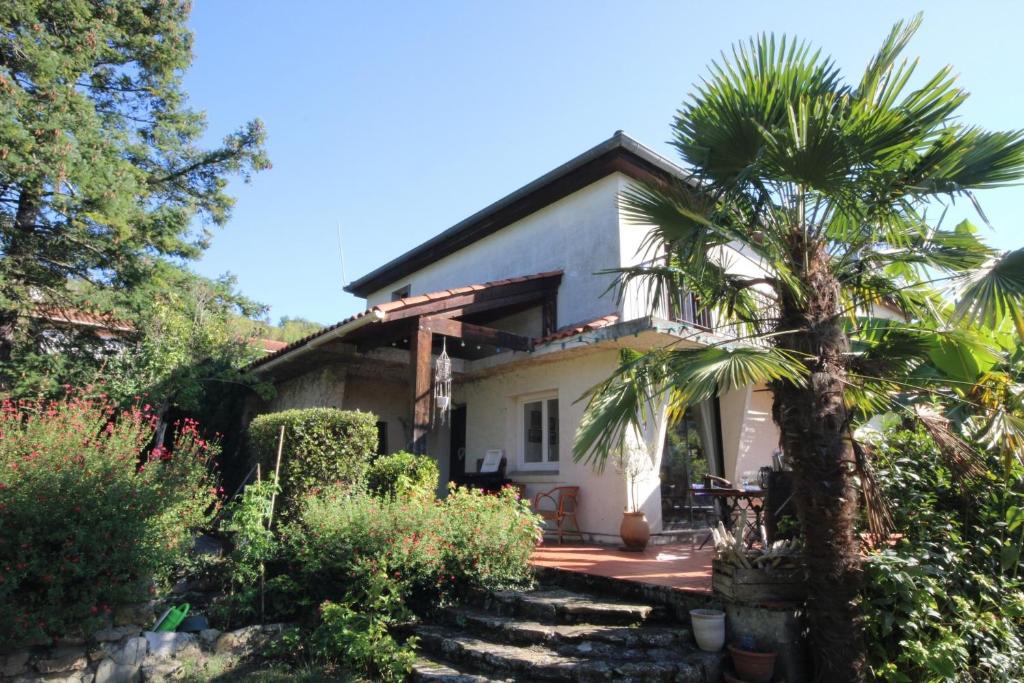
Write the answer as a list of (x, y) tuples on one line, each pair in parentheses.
[(553, 634)]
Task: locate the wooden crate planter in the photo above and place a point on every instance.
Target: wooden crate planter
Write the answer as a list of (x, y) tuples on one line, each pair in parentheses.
[(758, 585)]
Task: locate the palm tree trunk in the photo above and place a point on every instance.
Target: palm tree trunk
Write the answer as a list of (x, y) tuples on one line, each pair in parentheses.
[(817, 441)]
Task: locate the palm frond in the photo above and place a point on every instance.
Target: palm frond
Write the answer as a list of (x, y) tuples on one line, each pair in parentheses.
[(963, 461), (993, 293), (670, 380)]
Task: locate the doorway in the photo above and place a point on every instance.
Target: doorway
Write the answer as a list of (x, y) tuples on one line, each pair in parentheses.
[(457, 449)]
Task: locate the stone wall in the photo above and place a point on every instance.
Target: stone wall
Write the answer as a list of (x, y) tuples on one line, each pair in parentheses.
[(123, 652)]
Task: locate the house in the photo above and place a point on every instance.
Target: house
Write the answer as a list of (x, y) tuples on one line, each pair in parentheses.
[(517, 295)]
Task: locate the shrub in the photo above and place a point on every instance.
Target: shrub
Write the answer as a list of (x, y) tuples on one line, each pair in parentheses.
[(945, 603), (433, 549), (402, 473), (356, 633), (322, 447), (247, 520), (86, 521), (488, 538)]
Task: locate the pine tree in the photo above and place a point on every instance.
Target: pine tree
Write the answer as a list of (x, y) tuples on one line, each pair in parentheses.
[(101, 170)]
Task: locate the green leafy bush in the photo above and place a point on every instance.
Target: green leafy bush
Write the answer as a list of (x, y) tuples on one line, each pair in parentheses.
[(432, 548), (356, 634), (370, 557), (247, 521), (945, 603), (488, 538), (86, 520), (322, 447), (403, 473)]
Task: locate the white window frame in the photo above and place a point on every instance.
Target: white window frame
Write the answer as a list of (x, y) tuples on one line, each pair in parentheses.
[(545, 465)]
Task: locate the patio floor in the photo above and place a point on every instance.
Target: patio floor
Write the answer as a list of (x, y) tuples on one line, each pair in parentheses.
[(675, 565)]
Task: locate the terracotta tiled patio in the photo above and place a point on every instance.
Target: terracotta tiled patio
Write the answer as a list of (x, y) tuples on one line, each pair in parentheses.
[(676, 566)]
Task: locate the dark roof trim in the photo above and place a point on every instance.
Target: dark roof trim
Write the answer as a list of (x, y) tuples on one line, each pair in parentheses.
[(619, 153)]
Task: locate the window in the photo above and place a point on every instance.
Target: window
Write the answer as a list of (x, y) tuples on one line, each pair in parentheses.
[(538, 448), (401, 292)]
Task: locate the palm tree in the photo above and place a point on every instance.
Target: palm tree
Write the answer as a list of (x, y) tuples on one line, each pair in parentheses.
[(834, 188)]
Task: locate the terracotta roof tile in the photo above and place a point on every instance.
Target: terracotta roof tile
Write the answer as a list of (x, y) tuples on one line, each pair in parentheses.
[(82, 318), (269, 345), (579, 328), (399, 304)]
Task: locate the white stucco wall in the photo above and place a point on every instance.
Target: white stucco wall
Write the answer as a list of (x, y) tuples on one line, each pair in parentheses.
[(492, 410), (577, 234), (749, 436)]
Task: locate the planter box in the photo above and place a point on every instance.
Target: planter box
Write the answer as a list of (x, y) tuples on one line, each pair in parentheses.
[(758, 585)]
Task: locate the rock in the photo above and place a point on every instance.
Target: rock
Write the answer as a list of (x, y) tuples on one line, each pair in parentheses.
[(164, 645), (161, 671), (208, 545), (111, 672), (139, 613), (14, 663), (74, 637), (243, 640), (71, 658), (115, 633), (208, 637), (66, 677), (131, 652)]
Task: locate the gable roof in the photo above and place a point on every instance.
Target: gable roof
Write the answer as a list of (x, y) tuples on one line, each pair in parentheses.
[(412, 305), (619, 153)]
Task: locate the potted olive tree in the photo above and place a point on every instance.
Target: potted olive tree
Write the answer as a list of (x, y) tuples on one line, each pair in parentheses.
[(635, 530)]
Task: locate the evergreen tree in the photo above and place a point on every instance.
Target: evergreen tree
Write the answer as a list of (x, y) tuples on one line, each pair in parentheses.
[(102, 177)]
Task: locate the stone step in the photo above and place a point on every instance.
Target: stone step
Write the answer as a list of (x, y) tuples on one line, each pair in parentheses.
[(519, 631), (538, 662), (560, 606), (428, 670)]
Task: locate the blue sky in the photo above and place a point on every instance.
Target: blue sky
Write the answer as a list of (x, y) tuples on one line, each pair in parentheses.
[(397, 120)]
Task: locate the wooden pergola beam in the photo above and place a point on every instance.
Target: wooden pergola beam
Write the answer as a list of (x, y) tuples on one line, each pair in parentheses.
[(479, 300), (477, 334)]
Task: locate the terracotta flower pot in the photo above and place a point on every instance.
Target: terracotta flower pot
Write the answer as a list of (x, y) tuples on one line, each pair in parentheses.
[(754, 667), (634, 530)]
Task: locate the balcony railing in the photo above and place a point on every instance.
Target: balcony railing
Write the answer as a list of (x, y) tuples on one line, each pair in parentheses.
[(687, 308)]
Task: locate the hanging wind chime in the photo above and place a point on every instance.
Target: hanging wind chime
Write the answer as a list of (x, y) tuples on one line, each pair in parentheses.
[(443, 384)]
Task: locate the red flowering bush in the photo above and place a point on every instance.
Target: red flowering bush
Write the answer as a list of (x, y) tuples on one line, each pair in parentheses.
[(87, 519)]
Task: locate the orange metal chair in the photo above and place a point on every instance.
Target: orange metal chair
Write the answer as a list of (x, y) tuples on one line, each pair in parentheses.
[(566, 501)]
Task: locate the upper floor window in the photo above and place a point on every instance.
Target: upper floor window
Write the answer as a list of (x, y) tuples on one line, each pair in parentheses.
[(538, 429), (401, 292)]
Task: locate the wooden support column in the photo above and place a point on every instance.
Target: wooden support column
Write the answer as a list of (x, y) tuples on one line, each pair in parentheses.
[(420, 343)]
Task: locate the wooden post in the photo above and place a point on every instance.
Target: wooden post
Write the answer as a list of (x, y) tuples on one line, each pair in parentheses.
[(419, 359), (277, 478)]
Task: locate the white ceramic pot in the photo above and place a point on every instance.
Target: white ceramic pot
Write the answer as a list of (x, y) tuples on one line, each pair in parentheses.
[(708, 628)]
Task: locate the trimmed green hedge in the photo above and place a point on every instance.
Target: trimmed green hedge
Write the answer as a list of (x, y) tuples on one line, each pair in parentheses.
[(322, 446), (402, 472)]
